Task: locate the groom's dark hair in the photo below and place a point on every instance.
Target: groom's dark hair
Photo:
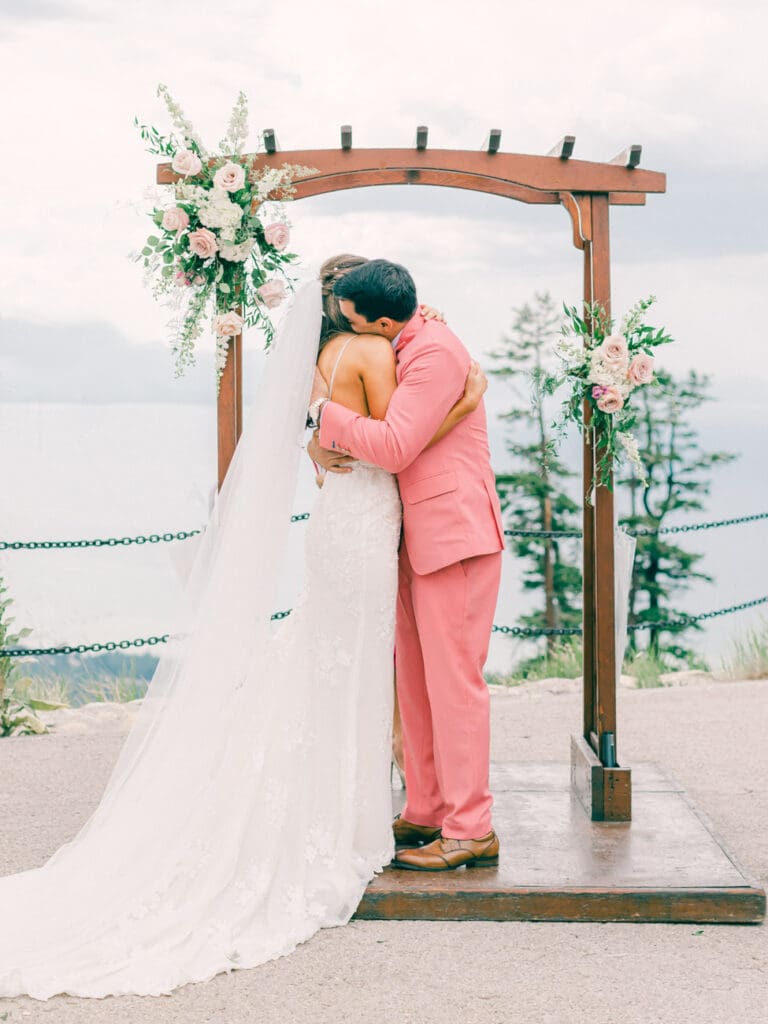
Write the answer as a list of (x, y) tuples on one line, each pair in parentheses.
[(379, 288)]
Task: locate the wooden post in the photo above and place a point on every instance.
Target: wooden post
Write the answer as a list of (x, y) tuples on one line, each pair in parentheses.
[(604, 787), (229, 405)]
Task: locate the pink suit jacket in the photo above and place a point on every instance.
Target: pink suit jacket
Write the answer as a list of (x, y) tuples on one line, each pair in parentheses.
[(450, 507)]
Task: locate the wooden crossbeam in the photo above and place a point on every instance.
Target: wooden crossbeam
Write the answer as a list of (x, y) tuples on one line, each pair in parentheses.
[(493, 142), (270, 140), (564, 148), (532, 179), (422, 134), (629, 158)]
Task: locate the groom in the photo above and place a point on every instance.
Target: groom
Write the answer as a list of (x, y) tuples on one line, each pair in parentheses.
[(449, 567)]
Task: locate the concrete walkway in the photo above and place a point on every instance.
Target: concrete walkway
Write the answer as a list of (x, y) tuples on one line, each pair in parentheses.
[(711, 735)]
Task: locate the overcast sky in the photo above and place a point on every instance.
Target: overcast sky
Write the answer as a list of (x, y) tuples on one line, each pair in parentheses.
[(687, 80)]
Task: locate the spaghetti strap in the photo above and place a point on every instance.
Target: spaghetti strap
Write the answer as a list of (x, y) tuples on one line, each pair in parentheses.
[(336, 364)]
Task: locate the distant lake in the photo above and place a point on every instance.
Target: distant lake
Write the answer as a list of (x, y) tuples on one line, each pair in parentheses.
[(116, 469)]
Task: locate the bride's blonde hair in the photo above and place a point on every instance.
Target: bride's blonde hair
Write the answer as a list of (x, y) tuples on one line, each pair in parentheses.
[(334, 321)]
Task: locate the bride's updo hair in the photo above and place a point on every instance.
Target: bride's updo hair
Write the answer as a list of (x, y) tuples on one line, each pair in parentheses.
[(334, 321)]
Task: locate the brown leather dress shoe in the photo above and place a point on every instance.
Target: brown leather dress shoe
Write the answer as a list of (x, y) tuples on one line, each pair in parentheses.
[(408, 834), (447, 854)]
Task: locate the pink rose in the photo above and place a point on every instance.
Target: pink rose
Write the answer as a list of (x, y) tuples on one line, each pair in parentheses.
[(610, 400), (230, 177), (614, 352), (272, 292), (278, 235), (641, 369), (203, 243), (227, 325), (186, 162), (182, 281), (175, 219)]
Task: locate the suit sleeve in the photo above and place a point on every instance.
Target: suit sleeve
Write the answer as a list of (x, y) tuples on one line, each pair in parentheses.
[(430, 385)]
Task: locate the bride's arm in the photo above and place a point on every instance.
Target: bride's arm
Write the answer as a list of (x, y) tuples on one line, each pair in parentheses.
[(379, 382), (474, 389)]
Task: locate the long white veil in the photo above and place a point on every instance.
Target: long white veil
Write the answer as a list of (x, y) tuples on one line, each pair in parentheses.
[(230, 828), (232, 589)]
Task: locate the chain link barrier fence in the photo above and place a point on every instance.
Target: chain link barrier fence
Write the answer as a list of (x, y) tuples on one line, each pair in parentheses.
[(680, 622)]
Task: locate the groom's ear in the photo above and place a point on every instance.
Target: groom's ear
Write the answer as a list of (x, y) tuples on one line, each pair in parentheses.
[(385, 323)]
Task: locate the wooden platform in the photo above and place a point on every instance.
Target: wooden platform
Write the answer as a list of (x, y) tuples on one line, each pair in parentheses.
[(556, 864)]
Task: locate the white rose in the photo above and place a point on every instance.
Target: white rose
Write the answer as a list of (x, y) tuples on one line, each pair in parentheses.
[(186, 162), (230, 177), (227, 325)]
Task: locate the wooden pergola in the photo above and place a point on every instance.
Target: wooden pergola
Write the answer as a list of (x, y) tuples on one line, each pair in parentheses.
[(662, 860), (586, 190)]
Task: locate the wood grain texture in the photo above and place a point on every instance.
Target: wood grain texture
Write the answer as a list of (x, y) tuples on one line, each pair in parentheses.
[(557, 864), (229, 405), (540, 173)]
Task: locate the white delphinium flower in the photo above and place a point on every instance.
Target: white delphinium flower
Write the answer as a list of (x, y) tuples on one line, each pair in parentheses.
[(629, 444), (181, 124), (569, 350), (222, 350), (237, 130), (634, 316), (271, 178)]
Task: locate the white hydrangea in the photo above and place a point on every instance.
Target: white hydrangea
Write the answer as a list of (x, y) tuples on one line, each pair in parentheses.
[(600, 374), (236, 253), (219, 212)]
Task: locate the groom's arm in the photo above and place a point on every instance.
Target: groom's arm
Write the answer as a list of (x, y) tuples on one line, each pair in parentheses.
[(430, 385)]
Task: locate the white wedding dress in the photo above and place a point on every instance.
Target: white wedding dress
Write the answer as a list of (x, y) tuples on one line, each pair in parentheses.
[(251, 802)]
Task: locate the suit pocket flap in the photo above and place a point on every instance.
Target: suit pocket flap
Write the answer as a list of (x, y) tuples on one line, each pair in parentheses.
[(430, 487)]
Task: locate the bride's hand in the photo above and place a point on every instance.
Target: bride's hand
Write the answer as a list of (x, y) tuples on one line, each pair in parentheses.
[(476, 385), (430, 313), (336, 461), (319, 387)]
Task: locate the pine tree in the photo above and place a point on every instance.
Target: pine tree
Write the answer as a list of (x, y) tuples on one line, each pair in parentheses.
[(679, 472), (533, 493)]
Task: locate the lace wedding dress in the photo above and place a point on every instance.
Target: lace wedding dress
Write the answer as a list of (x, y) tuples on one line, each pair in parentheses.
[(251, 803)]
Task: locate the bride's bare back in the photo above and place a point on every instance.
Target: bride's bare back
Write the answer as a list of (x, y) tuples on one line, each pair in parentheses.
[(365, 372)]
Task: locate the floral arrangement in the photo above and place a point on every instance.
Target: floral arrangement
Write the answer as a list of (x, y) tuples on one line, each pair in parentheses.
[(220, 244), (604, 367)]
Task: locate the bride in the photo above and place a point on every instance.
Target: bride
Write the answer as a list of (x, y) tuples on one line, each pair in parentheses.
[(250, 804)]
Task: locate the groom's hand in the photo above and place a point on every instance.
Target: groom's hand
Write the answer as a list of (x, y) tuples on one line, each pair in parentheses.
[(334, 460)]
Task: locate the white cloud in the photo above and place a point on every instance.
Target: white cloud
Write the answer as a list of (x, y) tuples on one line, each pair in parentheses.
[(611, 76)]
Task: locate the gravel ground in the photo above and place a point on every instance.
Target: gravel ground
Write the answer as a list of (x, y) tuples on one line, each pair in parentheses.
[(711, 735)]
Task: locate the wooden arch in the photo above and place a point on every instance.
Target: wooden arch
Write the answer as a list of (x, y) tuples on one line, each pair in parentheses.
[(586, 190)]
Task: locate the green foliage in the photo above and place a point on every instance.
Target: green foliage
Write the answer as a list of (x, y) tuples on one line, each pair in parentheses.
[(561, 660), (679, 474), (748, 654), (118, 689), (17, 709), (533, 492), (646, 668)]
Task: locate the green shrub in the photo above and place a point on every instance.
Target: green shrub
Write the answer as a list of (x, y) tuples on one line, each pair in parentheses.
[(748, 655)]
